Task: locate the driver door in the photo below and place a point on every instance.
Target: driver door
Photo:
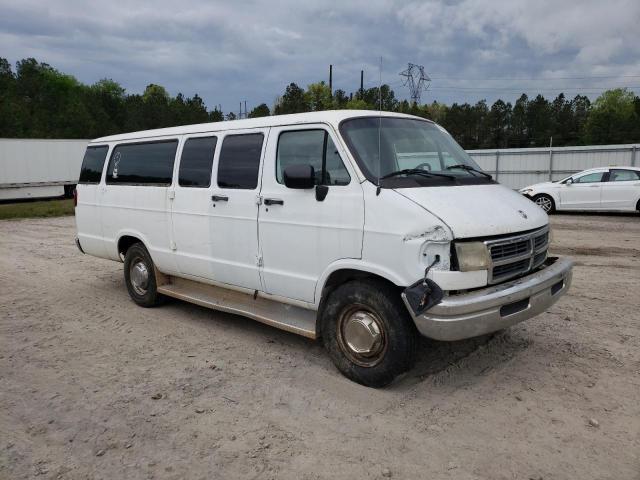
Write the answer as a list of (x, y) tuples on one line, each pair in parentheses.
[(584, 193), (302, 233)]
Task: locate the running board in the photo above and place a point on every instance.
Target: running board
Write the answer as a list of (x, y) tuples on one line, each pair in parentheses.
[(280, 315)]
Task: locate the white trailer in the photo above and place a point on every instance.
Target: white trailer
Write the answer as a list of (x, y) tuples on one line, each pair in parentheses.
[(34, 168)]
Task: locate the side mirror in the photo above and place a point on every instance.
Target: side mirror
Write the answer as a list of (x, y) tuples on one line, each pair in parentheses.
[(569, 181), (299, 176)]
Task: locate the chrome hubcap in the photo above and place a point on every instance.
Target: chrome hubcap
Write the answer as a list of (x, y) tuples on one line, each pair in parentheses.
[(544, 203), (362, 337), (139, 277)]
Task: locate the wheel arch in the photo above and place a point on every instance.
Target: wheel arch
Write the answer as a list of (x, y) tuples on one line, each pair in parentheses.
[(341, 274), (126, 240)]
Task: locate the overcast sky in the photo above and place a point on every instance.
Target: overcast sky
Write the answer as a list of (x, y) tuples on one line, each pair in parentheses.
[(250, 50)]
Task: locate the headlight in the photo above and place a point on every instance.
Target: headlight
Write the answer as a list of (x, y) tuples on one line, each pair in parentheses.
[(472, 256), (526, 191)]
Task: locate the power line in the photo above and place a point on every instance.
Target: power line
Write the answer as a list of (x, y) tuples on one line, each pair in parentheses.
[(540, 79), (519, 89)]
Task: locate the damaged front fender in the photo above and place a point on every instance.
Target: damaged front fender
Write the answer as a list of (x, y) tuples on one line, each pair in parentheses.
[(422, 295)]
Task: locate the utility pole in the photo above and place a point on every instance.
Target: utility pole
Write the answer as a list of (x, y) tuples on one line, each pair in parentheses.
[(416, 80), (245, 110), (361, 83), (331, 79)]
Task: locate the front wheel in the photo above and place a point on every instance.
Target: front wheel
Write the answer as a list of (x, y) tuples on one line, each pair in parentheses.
[(368, 332), (545, 202)]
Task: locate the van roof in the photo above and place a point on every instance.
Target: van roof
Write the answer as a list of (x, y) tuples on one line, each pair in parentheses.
[(327, 116)]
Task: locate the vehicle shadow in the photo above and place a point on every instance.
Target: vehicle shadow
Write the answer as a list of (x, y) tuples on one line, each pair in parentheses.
[(439, 362), (436, 361), (571, 213)]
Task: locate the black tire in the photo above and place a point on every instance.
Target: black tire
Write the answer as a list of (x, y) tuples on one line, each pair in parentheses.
[(144, 294), (545, 200), (395, 354)]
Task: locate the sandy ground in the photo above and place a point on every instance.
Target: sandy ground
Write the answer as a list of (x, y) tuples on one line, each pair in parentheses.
[(92, 386)]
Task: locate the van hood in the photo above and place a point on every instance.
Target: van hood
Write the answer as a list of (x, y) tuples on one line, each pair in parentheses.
[(478, 210)]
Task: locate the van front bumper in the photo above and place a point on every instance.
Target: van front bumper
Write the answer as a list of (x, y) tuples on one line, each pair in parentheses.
[(479, 312)]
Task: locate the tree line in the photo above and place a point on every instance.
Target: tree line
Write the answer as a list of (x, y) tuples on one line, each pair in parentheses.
[(38, 101)]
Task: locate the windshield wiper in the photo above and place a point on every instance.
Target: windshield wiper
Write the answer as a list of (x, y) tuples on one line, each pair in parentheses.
[(416, 171), (469, 169)]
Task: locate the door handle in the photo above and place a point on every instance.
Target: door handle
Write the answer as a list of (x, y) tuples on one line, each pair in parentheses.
[(219, 198), (273, 201), (593, 186)]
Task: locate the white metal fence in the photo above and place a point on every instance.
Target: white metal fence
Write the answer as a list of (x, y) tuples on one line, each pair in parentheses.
[(519, 167), (37, 163)]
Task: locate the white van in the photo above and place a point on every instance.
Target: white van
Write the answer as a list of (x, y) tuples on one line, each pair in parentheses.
[(359, 228)]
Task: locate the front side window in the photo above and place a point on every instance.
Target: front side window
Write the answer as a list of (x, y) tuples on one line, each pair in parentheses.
[(239, 163), (384, 145), (196, 162), (315, 148), (149, 163), (624, 176), (92, 164), (589, 178)]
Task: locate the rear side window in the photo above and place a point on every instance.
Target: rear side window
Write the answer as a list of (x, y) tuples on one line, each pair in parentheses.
[(624, 176), (92, 164), (196, 162), (142, 163), (239, 162)]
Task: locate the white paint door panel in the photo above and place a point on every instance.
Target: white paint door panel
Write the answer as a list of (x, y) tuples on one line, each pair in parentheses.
[(302, 236), (135, 199), (622, 191), (232, 221), (584, 193), (192, 208)]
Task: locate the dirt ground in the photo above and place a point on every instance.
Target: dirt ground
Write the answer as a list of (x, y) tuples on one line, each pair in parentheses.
[(92, 386)]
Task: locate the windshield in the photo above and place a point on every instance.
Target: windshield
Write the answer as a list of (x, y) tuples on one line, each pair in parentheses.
[(383, 145)]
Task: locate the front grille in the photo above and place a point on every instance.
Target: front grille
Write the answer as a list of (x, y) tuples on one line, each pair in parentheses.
[(516, 255), (511, 268), (500, 252), (541, 241)]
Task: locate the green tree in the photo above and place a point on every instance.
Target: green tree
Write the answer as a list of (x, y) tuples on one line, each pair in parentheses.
[(340, 99), (613, 118), (9, 105), (292, 101), (216, 115), (379, 97), (499, 121), (261, 110), (156, 112), (318, 97), (539, 122), (357, 104), (519, 135)]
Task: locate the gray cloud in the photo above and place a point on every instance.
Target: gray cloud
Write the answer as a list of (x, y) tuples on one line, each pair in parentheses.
[(232, 51)]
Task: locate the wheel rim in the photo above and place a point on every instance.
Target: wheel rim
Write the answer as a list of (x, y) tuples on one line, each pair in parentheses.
[(361, 336), (139, 275), (544, 203)]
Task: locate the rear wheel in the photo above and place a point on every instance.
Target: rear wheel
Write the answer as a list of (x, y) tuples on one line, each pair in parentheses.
[(139, 275), (545, 202), (368, 332)]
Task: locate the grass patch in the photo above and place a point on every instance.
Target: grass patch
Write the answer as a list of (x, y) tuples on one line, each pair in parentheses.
[(47, 208)]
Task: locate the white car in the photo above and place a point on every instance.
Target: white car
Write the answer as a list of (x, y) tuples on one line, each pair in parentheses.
[(605, 188), (358, 228)]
